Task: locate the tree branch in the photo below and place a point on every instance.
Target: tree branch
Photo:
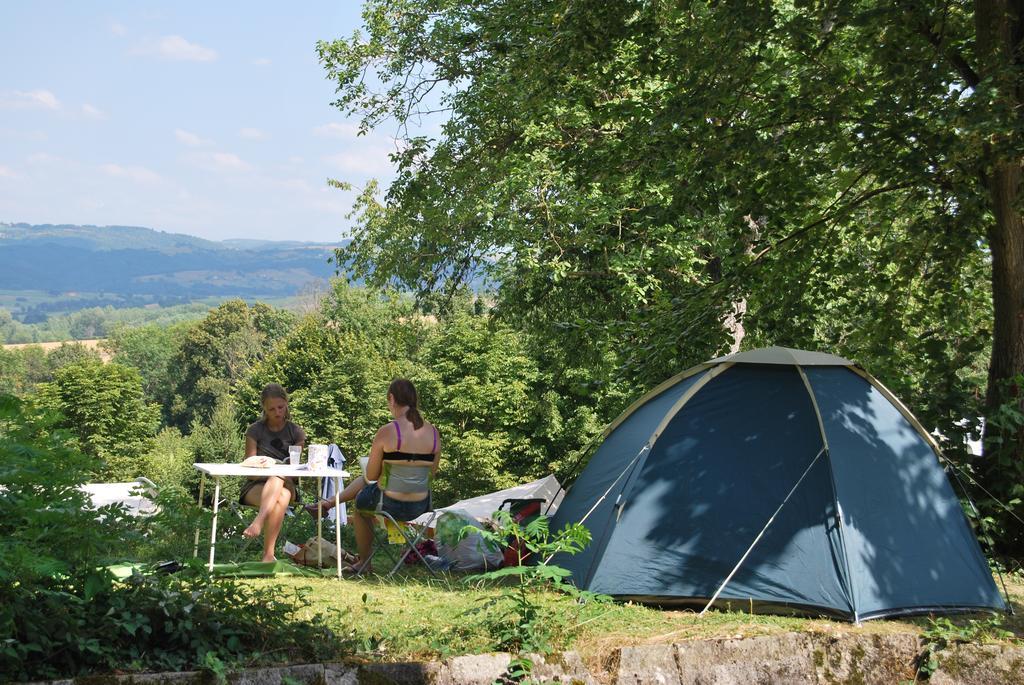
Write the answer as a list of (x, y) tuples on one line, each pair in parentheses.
[(968, 74)]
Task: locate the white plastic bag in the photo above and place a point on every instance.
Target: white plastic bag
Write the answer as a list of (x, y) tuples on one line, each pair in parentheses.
[(472, 551)]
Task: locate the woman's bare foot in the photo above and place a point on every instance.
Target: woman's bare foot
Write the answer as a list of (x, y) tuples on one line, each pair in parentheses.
[(254, 529), (270, 558)]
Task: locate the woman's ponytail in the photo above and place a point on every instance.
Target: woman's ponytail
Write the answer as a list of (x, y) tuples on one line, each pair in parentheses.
[(404, 394), (414, 416)]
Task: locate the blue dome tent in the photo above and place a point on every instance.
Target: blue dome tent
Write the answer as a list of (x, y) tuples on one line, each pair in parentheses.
[(788, 479)]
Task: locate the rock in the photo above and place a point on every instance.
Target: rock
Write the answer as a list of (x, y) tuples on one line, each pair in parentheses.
[(340, 674), (979, 665), (405, 673), (792, 658), (867, 659), (784, 658), (655, 664), (564, 668), (281, 675), (476, 668)]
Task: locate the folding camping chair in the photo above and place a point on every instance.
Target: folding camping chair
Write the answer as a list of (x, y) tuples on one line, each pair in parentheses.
[(391, 531), (394, 531)]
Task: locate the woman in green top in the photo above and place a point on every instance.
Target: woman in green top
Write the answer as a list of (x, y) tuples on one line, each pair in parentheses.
[(270, 436)]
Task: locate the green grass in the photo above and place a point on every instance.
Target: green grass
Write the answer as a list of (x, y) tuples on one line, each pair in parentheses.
[(416, 617)]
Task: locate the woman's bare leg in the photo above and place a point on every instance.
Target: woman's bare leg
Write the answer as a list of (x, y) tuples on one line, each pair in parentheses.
[(273, 522), (263, 496), (346, 495), (364, 536)]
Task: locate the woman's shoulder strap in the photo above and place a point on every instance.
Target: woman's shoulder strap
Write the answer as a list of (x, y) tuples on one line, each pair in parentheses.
[(398, 432)]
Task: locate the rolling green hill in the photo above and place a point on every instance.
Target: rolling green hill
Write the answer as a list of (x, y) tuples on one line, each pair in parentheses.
[(84, 266)]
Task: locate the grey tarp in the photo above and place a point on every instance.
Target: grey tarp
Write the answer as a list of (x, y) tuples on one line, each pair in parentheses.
[(872, 529)]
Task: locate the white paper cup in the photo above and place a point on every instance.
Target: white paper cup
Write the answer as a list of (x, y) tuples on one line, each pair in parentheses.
[(317, 456), (363, 463)]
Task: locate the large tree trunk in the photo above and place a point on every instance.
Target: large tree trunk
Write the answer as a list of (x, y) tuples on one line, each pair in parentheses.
[(1000, 34), (1006, 241)]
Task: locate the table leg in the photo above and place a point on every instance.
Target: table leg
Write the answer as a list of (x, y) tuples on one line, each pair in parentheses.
[(337, 522), (213, 531), (195, 544), (319, 525)]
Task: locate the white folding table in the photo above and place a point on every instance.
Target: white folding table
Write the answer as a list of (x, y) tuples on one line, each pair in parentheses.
[(218, 471)]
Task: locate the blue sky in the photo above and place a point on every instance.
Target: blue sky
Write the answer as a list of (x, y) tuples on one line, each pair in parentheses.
[(206, 118)]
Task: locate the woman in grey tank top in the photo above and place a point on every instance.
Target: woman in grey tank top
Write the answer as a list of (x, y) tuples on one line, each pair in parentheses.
[(270, 436)]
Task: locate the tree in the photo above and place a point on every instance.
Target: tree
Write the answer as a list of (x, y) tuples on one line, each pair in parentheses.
[(150, 349), (21, 370), (102, 406), (486, 394), (666, 178), (336, 365), (12, 330), (218, 439), (217, 353), (169, 462), (70, 353), (89, 323)]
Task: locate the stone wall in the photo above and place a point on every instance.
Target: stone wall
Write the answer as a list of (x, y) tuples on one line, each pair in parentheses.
[(790, 658)]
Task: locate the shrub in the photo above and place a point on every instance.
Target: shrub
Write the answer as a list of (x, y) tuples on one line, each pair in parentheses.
[(102, 407), (63, 614), (158, 623), (169, 463), (517, 619)]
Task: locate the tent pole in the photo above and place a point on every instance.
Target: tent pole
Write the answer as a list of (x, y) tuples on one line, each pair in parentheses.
[(758, 538), (639, 403), (600, 499), (583, 453), (941, 457), (835, 491)]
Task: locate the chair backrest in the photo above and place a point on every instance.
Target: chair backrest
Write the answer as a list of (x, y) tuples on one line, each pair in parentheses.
[(409, 478)]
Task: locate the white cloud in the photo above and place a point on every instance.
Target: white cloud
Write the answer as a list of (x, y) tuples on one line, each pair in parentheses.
[(7, 172), (367, 161), (252, 134), (229, 162), (219, 162), (180, 50), (133, 173), (93, 112), (190, 139), (261, 62), (336, 130), (32, 99), (118, 29)]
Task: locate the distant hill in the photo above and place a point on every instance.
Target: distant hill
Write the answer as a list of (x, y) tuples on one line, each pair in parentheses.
[(140, 264)]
